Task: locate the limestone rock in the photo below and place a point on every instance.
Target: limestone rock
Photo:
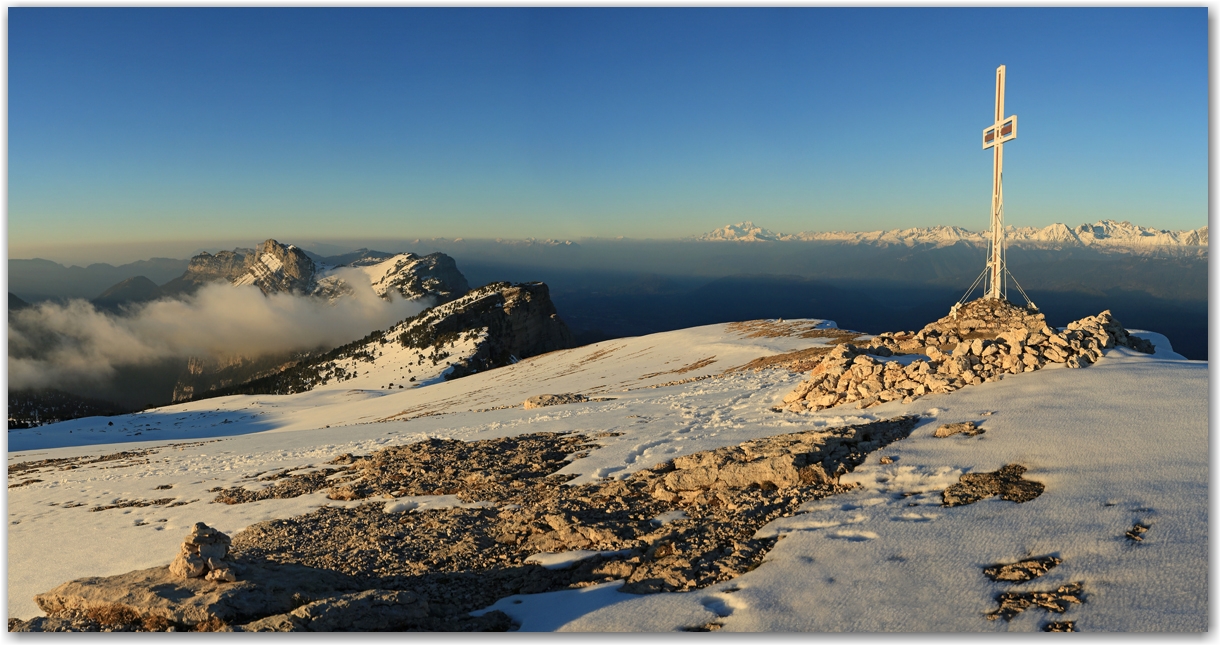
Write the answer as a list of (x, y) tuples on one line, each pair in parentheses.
[(265, 588), (968, 428), (188, 565)]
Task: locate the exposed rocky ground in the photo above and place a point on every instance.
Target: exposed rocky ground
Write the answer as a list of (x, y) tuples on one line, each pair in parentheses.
[(1057, 601), (1022, 571), (682, 525), (981, 341), (1007, 483)]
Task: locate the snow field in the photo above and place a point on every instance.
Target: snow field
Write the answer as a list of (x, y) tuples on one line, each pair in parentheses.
[(1119, 442)]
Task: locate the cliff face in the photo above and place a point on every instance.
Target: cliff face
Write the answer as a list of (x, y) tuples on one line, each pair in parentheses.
[(276, 268), (203, 375)]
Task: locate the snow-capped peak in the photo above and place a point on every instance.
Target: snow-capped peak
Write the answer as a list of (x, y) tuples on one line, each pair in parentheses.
[(1104, 234)]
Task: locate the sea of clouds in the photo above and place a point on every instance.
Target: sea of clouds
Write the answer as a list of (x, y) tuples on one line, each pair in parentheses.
[(63, 344)]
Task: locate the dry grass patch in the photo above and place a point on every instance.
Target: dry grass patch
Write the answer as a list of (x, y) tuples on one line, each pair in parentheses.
[(790, 329), (112, 615), (212, 624), (701, 363)]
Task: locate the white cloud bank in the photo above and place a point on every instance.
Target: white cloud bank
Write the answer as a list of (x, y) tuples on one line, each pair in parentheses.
[(58, 345)]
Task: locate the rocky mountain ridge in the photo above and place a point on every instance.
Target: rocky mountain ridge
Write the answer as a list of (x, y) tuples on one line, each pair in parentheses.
[(1104, 234), (285, 268), (488, 327)]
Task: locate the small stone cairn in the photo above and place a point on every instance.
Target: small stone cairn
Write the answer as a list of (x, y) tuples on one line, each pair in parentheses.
[(204, 555), (978, 342)]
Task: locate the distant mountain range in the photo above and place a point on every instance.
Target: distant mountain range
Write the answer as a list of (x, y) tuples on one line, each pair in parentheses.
[(1103, 235)]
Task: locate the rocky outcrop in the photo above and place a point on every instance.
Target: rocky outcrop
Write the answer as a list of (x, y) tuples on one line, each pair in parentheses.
[(265, 588), (544, 400), (973, 345), (782, 461)]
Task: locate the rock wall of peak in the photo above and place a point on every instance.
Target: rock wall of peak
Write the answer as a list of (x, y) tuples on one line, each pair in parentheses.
[(278, 268), (225, 265)]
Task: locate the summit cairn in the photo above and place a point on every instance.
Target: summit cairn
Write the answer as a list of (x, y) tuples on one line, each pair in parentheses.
[(980, 342), (204, 555)]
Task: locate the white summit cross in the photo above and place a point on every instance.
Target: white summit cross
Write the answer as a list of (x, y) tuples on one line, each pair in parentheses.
[(994, 137), (1004, 129)]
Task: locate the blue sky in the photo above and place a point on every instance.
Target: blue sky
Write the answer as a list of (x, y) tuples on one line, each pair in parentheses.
[(197, 124)]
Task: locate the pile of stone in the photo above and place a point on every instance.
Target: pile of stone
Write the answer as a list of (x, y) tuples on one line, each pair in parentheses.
[(977, 343), (204, 554)]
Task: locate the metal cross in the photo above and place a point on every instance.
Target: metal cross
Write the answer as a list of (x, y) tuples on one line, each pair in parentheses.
[(994, 136)]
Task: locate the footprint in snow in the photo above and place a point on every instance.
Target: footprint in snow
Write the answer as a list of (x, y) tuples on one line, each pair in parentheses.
[(912, 516)]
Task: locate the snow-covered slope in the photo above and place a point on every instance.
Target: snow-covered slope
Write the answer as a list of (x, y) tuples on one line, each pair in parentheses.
[(1105, 235), (494, 325), (1120, 442)]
